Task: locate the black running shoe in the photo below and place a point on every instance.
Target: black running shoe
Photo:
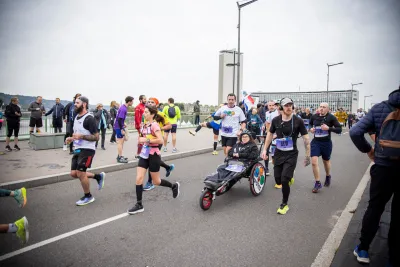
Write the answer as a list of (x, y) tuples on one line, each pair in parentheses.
[(175, 190), (136, 209), (327, 181), (17, 148), (8, 148)]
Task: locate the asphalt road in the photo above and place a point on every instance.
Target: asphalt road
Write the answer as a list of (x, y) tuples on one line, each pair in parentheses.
[(238, 230)]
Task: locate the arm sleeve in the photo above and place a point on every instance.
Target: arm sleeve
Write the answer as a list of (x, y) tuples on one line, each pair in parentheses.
[(359, 129), (272, 128), (49, 112), (120, 123), (218, 113), (30, 107), (137, 117), (337, 127)]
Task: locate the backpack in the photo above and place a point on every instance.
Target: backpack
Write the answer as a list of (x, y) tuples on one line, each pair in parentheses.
[(389, 137), (171, 112)]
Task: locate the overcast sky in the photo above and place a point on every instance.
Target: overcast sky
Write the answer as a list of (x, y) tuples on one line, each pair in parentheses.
[(107, 50)]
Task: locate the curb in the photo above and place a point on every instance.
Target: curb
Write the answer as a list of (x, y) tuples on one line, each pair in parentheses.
[(332, 243), (65, 176)]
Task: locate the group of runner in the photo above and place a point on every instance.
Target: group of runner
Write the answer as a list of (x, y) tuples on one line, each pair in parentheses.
[(282, 128)]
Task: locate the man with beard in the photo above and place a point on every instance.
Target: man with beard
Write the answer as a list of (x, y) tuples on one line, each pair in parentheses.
[(287, 127), (321, 146), (84, 138)]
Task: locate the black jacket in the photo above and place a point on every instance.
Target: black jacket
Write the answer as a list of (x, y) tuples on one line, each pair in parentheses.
[(247, 151), (10, 113), (97, 117)]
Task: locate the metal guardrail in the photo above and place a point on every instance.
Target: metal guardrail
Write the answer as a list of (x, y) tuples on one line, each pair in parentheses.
[(187, 120)]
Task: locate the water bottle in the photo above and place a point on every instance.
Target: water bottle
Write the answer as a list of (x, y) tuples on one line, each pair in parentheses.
[(144, 154)]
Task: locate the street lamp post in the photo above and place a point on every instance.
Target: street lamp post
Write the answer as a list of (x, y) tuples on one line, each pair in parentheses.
[(351, 102), (327, 82), (365, 97), (240, 5)]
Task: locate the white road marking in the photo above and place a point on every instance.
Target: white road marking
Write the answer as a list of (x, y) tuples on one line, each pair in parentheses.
[(328, 250), (57, 238)]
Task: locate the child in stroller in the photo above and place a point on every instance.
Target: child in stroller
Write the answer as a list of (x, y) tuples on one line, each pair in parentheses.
[(243, 161)]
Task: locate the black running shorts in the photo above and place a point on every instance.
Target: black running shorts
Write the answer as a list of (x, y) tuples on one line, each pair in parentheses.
[(82, 159), (228, 141), (152, 163)]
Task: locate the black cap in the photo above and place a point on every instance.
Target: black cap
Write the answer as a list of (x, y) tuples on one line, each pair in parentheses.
[(84, 99)]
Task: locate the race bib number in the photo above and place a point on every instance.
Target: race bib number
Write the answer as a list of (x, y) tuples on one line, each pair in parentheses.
[(272, 150), (78, 142), (306, 121), (320, 133), (284, 144), (234, 168), (144, 153), (227, 130)]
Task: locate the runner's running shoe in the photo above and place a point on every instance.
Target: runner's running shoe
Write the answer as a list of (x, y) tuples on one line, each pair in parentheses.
[(20, 197), (362, 255), (148, 186), (101, 181), (85, 200), (23, 229), (327, 181), (136, 209), (176, 190), (317, 187), (283, 209), (278, 186), (171, 168), (192, 133), (215, 152)]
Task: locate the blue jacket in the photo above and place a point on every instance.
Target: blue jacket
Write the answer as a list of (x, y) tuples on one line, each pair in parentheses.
[(57, 110), (372, 122)]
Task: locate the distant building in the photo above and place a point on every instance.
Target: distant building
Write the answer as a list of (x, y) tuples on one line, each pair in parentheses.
[(312, 99), (227, 77)]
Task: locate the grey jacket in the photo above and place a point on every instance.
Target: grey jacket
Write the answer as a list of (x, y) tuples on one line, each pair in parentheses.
[(36, 110), (97, 117)]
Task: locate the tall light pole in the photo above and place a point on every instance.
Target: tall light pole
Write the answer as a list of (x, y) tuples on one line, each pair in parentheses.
[(240, 5), (365, 97), (351, 102), (327, 82)]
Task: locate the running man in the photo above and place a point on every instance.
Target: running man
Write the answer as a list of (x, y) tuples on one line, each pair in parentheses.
[(287, 128), (164, 125), (20, 227), (269, 116), (306, 116), (173, 113), (84, 137), (215, 125), (150, 157), (322, 125), (233, 122), (119, 127)]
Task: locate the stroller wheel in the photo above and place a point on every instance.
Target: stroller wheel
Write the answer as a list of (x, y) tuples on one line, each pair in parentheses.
[(206, 199)]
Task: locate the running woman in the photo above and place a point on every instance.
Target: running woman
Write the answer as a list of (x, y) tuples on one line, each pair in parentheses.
[(232, 124), (84, 137), (322, 125), (287, 128), (150, 157), (19, 227), (215, 125), (164, 125)]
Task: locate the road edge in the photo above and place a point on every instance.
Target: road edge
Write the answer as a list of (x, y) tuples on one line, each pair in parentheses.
[(65, 176), (332, 243)]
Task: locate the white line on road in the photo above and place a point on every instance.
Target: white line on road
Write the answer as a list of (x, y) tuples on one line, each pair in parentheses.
[(54, 239), (328, 250)]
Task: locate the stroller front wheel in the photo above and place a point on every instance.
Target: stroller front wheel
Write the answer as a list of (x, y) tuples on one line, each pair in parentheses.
[(206, 199)]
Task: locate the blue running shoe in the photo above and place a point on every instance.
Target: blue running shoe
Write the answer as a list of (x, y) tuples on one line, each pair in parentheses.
[(84, 201), (317, 186), (171, 168), (362, 255), (101, 181), (148, 186)]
